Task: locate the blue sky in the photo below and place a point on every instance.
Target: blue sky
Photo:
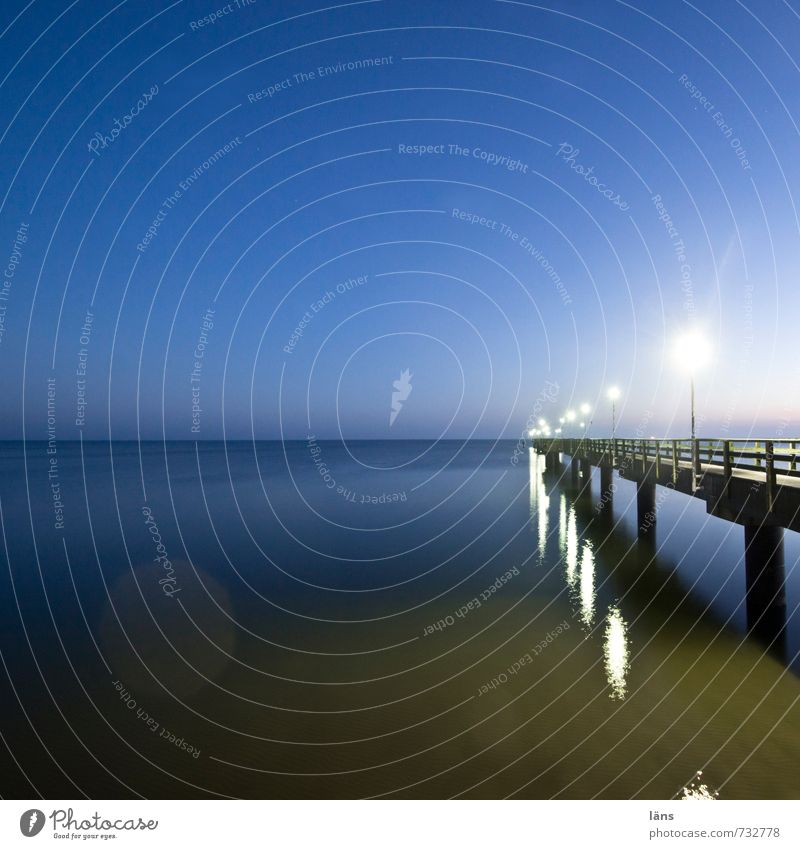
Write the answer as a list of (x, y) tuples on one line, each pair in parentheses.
[(594, 178)]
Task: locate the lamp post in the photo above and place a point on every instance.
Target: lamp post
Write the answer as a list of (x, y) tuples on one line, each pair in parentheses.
[(692, 351), (613, 395)]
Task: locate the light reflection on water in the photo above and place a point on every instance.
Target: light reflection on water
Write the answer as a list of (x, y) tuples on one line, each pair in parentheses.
[(616, 652), (540, 500), (580, 578), (698, 790), (571, 549), (586, 586)]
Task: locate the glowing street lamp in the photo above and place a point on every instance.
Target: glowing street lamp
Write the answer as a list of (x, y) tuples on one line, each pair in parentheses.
[(613, 396), (692, 351), (585, 410)]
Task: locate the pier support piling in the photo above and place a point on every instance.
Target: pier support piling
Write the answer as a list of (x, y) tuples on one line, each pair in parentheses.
[(586, 475), (606, 487), (646, 505)]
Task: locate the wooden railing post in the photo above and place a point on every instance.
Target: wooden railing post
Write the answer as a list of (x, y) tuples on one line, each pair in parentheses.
[(727, 467), (658, 459), (674, 460), (771, 479), (758, 456), (696, 468), (793, 464)]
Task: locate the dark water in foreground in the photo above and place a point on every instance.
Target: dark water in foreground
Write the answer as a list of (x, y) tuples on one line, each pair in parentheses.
[(409, 619)]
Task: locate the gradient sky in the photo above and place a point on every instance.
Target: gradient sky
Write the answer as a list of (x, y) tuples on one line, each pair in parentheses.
[(695, 103)]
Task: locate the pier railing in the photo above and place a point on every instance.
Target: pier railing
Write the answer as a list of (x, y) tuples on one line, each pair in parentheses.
[(760, 457)]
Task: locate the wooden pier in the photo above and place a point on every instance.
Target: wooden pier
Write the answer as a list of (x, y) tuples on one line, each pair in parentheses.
[(752, 482)]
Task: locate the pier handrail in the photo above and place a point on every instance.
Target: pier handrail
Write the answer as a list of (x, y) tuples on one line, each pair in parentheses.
[(767, 456)]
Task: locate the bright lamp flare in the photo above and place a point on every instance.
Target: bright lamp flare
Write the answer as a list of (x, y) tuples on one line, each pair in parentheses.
[(614, 393), (585, 409), (570, 415), (692, 351)]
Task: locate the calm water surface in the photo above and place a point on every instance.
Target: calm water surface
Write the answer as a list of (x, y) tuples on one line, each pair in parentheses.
[(375, 619)]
